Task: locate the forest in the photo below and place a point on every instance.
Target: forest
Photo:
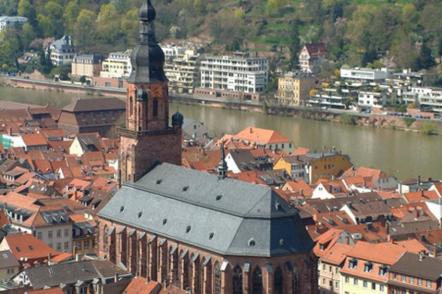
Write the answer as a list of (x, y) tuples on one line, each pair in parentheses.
[(401, 33)]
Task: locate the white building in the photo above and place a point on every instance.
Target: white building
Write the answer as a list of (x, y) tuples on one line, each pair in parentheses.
[(62, 51), (328, 98), (368, 99), (234, 73), (11, 21), (365, 74), (117, 65), (429, 99), (311, 57), (182, 71), (172, 51)]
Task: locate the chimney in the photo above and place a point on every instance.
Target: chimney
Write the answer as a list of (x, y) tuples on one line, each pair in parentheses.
[(421, 256), (77, 257), (116, 278), (49, 259), (251, 130)]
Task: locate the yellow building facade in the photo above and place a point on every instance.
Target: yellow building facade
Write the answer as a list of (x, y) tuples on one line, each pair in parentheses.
[(294, 88)]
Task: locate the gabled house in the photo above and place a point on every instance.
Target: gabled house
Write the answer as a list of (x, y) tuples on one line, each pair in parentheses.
[(311, 56)]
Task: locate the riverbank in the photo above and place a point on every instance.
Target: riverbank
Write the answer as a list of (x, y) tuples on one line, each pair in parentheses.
[(430, 127), (404, 154)]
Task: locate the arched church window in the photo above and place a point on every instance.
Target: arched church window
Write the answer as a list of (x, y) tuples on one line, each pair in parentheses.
[(217, 277), (237, 280), (186, 271), (278, 281), (155, 107), (257, 281)]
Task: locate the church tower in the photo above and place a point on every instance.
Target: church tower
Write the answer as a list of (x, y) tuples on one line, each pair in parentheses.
[(147, 138)]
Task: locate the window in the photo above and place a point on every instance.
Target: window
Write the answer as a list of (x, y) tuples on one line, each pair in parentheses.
[(58, 246), (381, 288), (365, 284), (58, 233), (347, 280), (237, 280), (403, 278), (278, 282), (50, 234), (66, 232), (66, 245), (368, 267), (353, 263), (257, 281), (411, 280), (373, 285), (355, 281), (40, 235), (428, 284)]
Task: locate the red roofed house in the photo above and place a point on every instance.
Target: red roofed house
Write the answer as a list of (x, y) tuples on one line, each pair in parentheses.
[(311, 56), (366, 267), (35, 142), (331, 248), (268, 139), (27, 249)]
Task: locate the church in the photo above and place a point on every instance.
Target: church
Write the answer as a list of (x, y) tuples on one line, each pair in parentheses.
[(191, 231)]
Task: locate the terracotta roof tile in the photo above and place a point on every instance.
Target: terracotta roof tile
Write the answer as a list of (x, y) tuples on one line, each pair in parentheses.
[(28, 246), (34, 140), (261, 136), (142, 286), (420, 196)]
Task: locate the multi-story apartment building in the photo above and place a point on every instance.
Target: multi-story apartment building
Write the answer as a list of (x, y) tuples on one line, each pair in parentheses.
[(172, 51), (182, 70), (365, 74), (86, 65), (237, 73), (117, 65), (328, 98), (49, 224), (366, 268), (62, 51), (371, 99), (428, 99), (11, 21), (294, 88), (415, 273)]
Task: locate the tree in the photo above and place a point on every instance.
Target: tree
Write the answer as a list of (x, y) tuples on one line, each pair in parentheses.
[(108, 25), (26, 9), (70, 15), (130, 27), (9, 48), (84, 29)]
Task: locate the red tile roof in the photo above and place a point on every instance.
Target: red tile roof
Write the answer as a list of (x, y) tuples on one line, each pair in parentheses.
[(142, 286), (26, 246), (261, 136), (420, 196), (34, 140)]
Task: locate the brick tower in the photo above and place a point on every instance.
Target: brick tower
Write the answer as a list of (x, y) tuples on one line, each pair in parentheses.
[(147, 138)]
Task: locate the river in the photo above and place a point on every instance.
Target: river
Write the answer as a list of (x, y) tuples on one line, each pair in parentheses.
[(403, 154)]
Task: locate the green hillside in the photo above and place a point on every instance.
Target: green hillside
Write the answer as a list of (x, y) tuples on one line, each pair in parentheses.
[(404, 33)]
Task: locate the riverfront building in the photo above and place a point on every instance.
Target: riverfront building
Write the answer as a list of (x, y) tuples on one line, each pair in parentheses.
[(311, 57), (428, 99), (294, 88), (117, 65), (365, 74), (86, 65), (168, 223), (182, 70), (238, 73), (62, 51)]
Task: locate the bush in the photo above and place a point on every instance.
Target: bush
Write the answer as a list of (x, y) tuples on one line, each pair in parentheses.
[(347, 119), (409, 121), (429, 128)]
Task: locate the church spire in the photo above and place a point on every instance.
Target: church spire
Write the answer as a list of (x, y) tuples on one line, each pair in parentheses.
[(147, 58), (222, 165)]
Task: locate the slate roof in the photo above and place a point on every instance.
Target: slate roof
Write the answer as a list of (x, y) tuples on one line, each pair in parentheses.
[(226, 216), (71, 272), (95, 104), (409, 264)]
